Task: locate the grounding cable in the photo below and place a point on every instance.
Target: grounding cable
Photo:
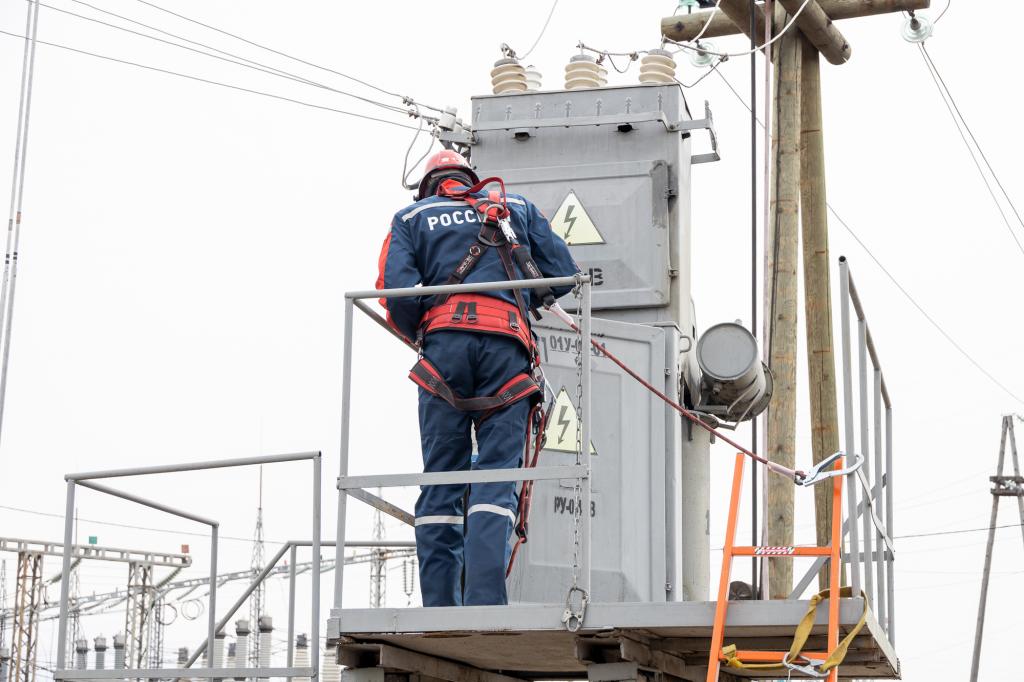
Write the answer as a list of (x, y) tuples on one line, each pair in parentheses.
[(896, 282), (213, 82)]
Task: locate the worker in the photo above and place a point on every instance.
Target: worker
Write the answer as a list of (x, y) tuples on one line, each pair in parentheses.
[(476, 365)]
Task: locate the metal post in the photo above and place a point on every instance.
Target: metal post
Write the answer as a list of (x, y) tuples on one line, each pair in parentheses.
[(291, 604), (211, 633), (65, 577), (865, 445), (851, 483), (882, 593), (585, 430), (889, 577), (346, 392), (314, 654)]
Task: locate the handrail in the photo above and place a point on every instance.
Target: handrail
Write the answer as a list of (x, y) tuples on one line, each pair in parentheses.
[(581, 472)]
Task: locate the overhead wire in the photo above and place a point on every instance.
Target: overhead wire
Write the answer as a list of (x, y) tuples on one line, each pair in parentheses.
[(542, 30), (230, 58), (943, 12), (896, 282), (776, 37), (213, 82), (959, 120)]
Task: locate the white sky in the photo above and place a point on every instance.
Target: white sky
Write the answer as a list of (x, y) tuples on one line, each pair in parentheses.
[(186, 247)]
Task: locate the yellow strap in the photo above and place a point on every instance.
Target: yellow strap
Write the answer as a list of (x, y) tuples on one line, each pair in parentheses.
[(803, 631)]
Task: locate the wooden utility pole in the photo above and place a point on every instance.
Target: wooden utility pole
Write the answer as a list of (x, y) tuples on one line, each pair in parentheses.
[(821, 365), (797, 188), (686, 26), (780, 315)]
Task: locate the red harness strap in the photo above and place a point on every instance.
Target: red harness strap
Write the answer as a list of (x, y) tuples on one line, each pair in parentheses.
[(515, 389), (477, 313)]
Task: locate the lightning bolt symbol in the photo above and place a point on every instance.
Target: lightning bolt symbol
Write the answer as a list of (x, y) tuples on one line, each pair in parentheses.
[(563, 422), (569, 220)]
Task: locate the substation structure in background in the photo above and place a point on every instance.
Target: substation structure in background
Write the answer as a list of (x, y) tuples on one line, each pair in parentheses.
[(30, 593)]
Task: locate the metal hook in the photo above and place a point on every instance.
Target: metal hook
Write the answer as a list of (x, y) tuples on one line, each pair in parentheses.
[(573, 618), (824, 469), (811, 669)]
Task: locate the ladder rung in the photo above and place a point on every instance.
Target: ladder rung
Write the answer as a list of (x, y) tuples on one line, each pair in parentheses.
[(781, 551), (775, 656)]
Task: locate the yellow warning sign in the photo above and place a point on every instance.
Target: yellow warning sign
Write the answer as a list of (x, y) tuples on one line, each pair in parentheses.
[(573, 224), (560, 434)]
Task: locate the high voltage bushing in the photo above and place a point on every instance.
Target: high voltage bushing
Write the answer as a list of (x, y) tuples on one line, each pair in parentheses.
[(218, 649), (658, 66), (242, 633), (583, 71), (81, 653), (119, 643), (301, 655), (99, 645), (183, 657), (533, 78), (5, 658), (508, 75), (231, 655), (266, 628)]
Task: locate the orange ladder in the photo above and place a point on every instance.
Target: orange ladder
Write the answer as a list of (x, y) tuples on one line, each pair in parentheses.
[(731, 550)]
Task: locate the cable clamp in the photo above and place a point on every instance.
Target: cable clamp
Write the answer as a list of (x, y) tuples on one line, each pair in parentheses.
[(824, 469)]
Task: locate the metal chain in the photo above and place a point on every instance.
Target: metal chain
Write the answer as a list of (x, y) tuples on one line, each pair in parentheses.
[(573, 615)]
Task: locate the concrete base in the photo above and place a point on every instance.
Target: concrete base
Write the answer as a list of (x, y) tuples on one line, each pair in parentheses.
[(663, 641)]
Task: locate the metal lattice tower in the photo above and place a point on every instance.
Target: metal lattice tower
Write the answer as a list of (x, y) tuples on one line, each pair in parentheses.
[(378, 565), (141, 595), (75, 612), (28, 597), (156, 634), (1002, 486), (258, 560)]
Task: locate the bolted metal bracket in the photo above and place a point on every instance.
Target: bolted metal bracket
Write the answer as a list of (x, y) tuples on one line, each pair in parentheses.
[(706, 123)]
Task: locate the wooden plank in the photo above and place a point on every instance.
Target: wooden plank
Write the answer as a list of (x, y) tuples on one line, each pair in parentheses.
[(781, 303), (683, 27), (639, 652), (402, 659), (821, 365), (819, 30)]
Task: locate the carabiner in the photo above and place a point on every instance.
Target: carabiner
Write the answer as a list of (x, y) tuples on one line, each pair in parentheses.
[(825, 469), (811, 669), (573, 618)]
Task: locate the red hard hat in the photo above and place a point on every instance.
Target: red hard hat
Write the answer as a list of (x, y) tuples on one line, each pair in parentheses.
[(443, 160)]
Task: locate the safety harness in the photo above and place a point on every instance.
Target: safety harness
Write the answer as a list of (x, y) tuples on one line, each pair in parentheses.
[(490, 315)]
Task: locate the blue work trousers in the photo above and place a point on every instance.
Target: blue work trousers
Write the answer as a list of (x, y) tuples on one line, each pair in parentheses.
[(463, 552)]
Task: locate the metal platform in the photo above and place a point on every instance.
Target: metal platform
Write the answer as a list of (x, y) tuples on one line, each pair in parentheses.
[(494, 644)]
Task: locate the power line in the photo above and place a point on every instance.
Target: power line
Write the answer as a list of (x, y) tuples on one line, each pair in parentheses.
[(895, 282), (957, 532), (213, 82), (114, 524), (950, 105), (275, 51), (244, 61), (542, 30)]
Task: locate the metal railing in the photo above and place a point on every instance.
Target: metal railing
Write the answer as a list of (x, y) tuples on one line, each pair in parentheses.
[(87, 480), (868, 528), (353, 486)]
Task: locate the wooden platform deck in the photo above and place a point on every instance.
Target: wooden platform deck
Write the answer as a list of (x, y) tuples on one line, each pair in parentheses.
[(498, 644)]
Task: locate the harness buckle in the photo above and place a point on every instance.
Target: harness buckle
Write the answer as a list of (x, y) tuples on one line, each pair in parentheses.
[(513, 321), (811, 669), (460, 308), (471, 317)]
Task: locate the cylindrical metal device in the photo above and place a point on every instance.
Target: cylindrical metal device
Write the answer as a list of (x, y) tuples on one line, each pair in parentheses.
[(242, 632), (658, 66), (99, 645), (302, 655), (735, 384), (508, 75), (583, 71), (119, 643), (266, 628), (81, 653)]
